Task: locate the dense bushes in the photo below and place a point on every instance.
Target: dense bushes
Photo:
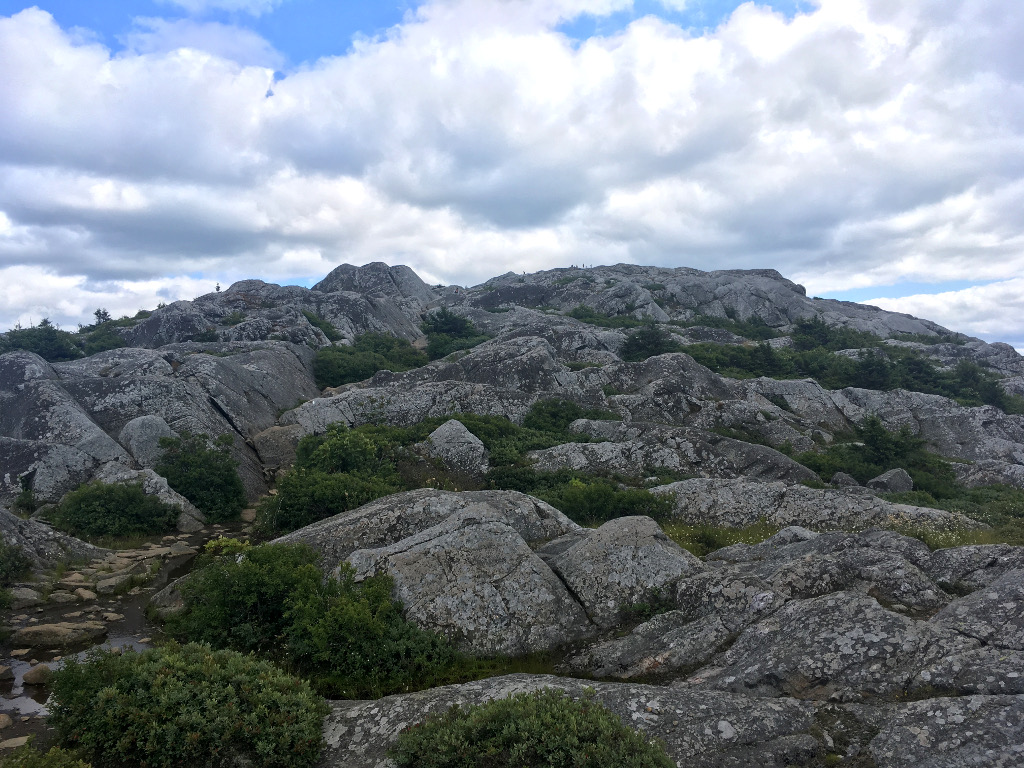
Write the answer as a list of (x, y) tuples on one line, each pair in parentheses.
[(586, 499), (544, 729), (349, 639), (28, 756), (371, 352), (647, 341), (185, 705), (880, 451), (755, 328), (101, 509), (345, 468), (589, 315), (324, 325), (45, 339), (204, 473), (14, 564), (448, 332)]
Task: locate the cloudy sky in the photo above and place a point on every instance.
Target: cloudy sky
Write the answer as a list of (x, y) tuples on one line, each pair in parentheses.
[(869, 149)]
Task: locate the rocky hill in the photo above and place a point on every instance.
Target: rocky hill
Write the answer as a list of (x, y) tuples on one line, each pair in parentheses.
[(854, 437)]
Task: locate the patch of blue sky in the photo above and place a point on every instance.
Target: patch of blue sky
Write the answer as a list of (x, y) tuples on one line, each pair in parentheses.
[(899, 290), (696, 15)]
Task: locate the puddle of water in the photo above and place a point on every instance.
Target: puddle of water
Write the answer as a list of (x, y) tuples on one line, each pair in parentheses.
[(17, 699)]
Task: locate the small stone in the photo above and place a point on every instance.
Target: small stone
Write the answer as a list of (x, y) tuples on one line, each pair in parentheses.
[(6, 673), (22, 597), (20, 741), (85, 594), (5, 721), (40, 674), (181, 549), (73, 614), (61, 597), (248, 515), (112, 616), (146, 640), (21, 653)]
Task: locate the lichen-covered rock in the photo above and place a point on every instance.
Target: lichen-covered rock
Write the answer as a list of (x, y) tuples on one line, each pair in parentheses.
[(987, 670), (698, 728), (476, 581), (668, 644), (952, 732), (624, 562), (966, 569), (894, 481), (841, 646), (393, 518), (458, 449), (994, 614), (141, 438), (843, 480), (741, 502), (44, 546)]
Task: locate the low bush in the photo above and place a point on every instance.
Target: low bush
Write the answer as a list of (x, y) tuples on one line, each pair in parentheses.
[(100, 509), (755, 328), (704, 539), (646, 342), (544, 729), (14, 565), (28, 756), (371, 352), (350, 640), (45, 339), (591, 316), (305, 496), (448, 332), (324, 325), (102, 337), (185, 705), (204, 473)]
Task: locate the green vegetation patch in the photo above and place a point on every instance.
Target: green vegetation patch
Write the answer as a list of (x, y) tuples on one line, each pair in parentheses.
[(204, 472), (586, 314), (14, 565), (324, 325), (648, 341), (371, 352), (543, 729), (448, 332), (185, 705), (350, 640), (99, 509), (28, 756), (45, 339), (755, 328), (704, 539)]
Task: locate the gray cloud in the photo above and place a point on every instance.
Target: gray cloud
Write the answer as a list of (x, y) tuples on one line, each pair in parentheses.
[(863, 143)]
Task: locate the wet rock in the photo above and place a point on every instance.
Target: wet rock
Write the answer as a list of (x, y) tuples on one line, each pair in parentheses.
[(6, 673), (624, 562), (969, 731), (40, 674), (893, 481), (698, 728), (478, 582), (5, 719), (59, 635)]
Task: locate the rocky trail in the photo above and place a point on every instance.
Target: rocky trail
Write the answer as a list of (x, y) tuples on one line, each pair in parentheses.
[(835, 637)]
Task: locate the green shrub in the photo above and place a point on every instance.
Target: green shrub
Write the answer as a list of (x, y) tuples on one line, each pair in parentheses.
[(185, 705), (28, 756), (557, 415), (324, 325), (203, 473), (371, 352), (647, 342), (305, 496), (98, 509), (448, 332), (589, 315), (102, 338), (45, 339), (14, 563), (350, 640), (544, 729), (239, 600), (704, 539), (755, 328)]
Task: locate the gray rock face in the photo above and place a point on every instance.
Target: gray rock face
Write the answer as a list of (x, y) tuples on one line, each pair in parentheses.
[(478, 582), (942, 733), (893, 481), (843, 480), (717, 729), (987, 670), (44, 546), (994, 614), (965, 569), (141, 438), (458, 449), (395, 518), (840, 646), (740, 502), (622, 563)]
